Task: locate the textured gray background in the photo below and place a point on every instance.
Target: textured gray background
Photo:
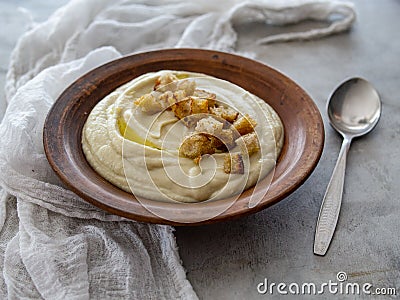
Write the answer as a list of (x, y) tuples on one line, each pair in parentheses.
[(228, 260)]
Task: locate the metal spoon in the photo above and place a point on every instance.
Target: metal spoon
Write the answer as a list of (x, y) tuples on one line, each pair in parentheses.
[(354, 109)]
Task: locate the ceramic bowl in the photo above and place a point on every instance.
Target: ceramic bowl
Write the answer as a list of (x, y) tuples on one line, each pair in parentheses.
[(303, 127)]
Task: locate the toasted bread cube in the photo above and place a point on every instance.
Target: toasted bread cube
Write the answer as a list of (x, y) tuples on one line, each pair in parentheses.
[(225, 113), (244, 124), (170, 82), (249, 143), (233, 163), (209, 125), (149, 103), (211, 97), (182, 108), (191, 120), (196, 145), (179, 95), (223, 140), (198, 105), (227, 138), (186, 85), (165, 82), (215, 142), (189, 106), (167, 99), (215, 128), (155, 101), (204, 94)]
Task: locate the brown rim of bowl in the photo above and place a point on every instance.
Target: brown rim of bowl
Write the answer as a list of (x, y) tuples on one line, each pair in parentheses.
[(303, 144)]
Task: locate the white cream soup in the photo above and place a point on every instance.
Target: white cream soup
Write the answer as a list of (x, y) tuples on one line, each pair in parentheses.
[(138, 150)]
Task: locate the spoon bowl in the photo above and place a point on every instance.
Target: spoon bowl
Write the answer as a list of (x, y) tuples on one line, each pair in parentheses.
[(353, 109)]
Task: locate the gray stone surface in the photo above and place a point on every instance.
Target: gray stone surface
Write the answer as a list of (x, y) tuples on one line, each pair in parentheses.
[(228, 260)]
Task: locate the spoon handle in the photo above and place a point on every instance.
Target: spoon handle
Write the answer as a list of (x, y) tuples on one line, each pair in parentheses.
[(330, 208)]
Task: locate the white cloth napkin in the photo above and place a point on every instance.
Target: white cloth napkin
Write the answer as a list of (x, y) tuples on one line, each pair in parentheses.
[(53, 245)]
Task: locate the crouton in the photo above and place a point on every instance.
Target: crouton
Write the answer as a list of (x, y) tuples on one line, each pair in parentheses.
[(170, 82), (165, 82), (215, 128), (166, 99), (189, 106), (198, 105), (215, 142), (249, 143), (191, 120), (186, 85), (227, 137), (233, 163), (244, 124), (225, 113), (155, 101), (182, 108), (196, 145), (211, 97), (209, 125), (179, 95), (149, 103)]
